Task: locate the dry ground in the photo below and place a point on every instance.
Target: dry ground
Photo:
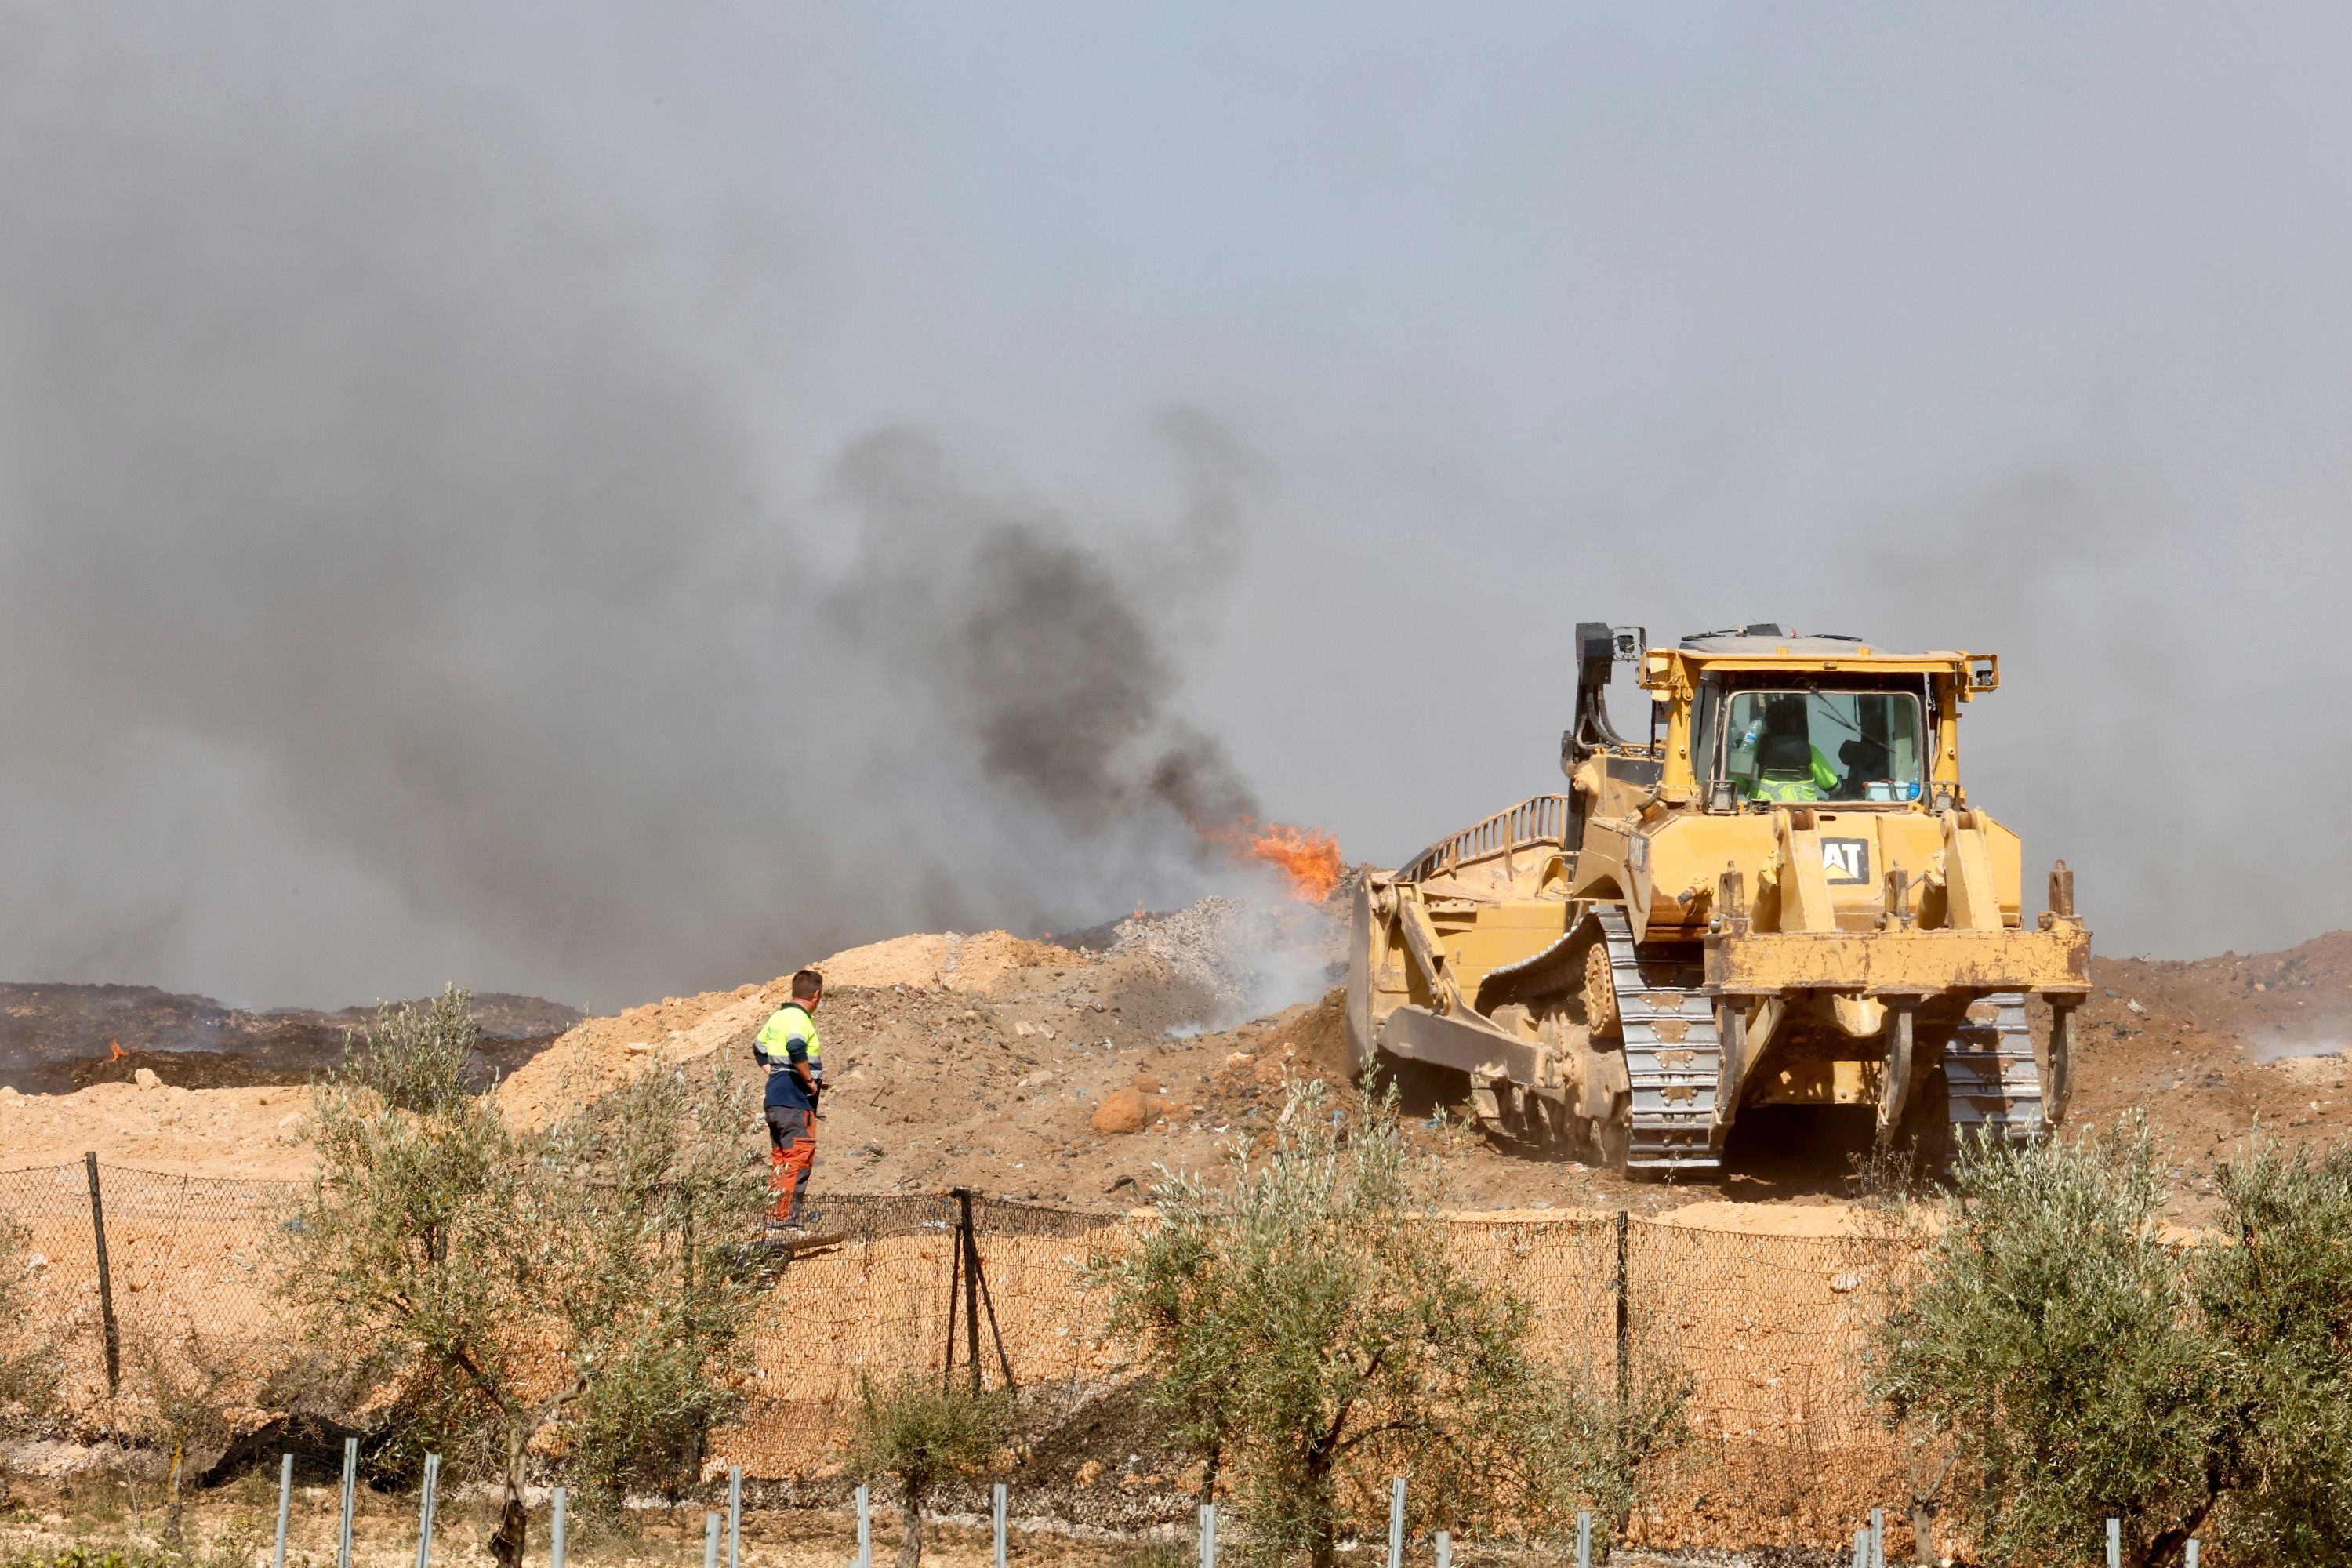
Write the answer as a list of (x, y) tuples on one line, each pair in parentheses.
[(233, 1526), (982, 1061)]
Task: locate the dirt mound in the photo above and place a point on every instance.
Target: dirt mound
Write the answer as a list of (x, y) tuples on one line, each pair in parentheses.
[(249, 1132), (959, 963), (601, 1053)]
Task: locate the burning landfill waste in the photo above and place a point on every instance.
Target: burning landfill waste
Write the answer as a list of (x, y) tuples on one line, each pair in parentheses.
[(1307, 858)]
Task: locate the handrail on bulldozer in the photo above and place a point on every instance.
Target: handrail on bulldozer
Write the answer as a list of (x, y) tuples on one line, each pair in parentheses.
[(1540, 821)]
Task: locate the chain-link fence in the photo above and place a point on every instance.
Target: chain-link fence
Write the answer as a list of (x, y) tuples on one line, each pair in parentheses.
[(1767, 1330)]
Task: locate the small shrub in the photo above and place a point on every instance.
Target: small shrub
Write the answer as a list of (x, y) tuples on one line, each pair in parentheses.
[(185, 1389), (919, 1435)]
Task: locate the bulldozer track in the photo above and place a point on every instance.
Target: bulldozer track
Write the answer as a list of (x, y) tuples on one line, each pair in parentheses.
[(1672, 1054), (1990, 1078)]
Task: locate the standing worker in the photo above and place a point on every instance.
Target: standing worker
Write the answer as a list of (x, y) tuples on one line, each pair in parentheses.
[(787, 1047)]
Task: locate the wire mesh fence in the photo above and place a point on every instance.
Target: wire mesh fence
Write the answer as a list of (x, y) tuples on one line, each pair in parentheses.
[(1768, 1330)]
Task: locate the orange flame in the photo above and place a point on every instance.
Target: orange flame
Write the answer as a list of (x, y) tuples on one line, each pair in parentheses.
[(1307, 858), (115, 1052)]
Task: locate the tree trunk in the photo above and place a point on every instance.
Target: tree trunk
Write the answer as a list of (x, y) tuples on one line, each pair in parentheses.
[(1923, 1532), (1209, 1472), (506, 1542), (911, 1536), (1322, 1518), (172, 1486)]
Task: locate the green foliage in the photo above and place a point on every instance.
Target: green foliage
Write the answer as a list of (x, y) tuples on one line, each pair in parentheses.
[(910, 1429), (1308, 1332), (653, 1187), (580, 1286), (2080, 1368), (2277, 1306), (413, 1058)]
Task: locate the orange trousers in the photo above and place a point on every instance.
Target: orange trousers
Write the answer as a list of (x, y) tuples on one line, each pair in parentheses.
[(791, 1157)]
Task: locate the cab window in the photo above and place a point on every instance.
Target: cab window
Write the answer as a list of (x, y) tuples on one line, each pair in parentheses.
[(1822, 745)]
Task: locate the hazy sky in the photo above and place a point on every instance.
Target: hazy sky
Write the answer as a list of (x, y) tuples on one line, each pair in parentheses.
[(603, 501)]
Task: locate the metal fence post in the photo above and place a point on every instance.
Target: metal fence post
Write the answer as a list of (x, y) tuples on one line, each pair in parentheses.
[(2114, 1543), (351, 1484), (1584, 1538), (1396, 1522), (2190, 1560), (1624, 1314), (865, 1529), (1878, 1538), (709, 1541), (1208, 1535), (285, 1497), (1444, 1549), (1862, 1547), (107, 1325), (734, 1516), (555, 1529), (969, 1240), (996, 1513), (424, 1511)]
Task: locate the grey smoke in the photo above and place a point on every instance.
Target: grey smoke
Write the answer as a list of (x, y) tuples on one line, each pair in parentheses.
[(604, 503), (395, 589), (1034, 650)]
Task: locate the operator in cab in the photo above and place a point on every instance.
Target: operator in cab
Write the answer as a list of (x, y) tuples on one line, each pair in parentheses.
[(1788, 766)]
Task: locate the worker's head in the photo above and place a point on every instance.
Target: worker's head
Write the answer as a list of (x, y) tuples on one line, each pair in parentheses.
[(808, 987), (1784, 714)]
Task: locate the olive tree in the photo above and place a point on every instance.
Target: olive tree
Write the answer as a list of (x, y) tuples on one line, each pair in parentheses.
[(2276, 1300), (1307, 1332), (918, 1434), (580, 1286), (2081, 1367)]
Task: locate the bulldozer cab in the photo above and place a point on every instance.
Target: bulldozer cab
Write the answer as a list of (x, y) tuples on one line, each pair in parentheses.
[(1758, 717), (1770, 741)]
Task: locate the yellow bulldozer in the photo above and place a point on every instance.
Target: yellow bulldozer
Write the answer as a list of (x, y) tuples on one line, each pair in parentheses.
[(1780, 896)]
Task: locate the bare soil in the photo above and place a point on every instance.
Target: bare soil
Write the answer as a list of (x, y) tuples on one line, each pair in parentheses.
[(981, 1061)]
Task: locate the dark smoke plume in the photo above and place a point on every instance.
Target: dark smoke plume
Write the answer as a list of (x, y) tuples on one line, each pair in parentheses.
[(395, 591), (1035, 648)]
